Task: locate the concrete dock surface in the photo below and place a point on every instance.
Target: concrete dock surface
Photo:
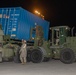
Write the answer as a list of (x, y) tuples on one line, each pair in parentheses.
[(53, 67)]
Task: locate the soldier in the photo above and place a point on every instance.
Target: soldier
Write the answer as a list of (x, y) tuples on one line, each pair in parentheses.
[(23, 52)]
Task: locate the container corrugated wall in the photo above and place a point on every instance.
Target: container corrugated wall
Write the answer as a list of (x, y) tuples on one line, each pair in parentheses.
[(17, 22)]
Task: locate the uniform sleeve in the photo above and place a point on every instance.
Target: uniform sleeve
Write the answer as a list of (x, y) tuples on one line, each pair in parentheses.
[(24, 46)]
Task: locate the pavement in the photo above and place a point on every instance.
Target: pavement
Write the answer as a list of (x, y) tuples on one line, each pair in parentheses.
[(53, 67)]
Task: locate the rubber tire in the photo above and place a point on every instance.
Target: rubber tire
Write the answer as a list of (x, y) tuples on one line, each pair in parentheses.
[(67, 56), (36, 56), (28, 56), (17, 57), (46, 59)]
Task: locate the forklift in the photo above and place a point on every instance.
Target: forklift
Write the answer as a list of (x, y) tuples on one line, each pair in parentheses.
[(63, 45)]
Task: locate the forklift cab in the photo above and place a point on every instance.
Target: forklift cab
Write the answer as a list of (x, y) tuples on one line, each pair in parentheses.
[(59, 34)]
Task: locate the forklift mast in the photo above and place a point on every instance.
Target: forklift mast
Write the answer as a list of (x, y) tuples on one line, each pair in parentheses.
[(38, 35)]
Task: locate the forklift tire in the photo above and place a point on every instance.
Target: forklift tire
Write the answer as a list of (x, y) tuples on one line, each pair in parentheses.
[(28, 56), (67, 56), (37, 56), (17, 57), (46, 59)]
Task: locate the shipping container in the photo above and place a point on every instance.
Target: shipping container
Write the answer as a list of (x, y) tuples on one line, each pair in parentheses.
[(17, 23)]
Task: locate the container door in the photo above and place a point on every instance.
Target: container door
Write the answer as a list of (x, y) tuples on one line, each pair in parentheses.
[(4, 19), (9, 21), (13, 23)]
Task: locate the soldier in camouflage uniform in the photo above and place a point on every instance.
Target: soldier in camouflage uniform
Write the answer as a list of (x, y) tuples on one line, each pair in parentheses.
[(23, 52)]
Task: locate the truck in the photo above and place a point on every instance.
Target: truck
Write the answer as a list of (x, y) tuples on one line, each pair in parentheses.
[(39, 48)]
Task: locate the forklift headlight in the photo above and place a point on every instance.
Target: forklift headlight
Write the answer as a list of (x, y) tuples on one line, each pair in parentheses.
[(33, 38), (54, 52), (62, 35), (49, 54), (66, 28)]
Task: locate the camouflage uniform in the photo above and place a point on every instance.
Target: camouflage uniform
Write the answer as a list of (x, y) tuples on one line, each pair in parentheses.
[(23, 53)]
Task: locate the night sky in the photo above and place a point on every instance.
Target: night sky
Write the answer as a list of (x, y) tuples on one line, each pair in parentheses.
[(57, 12)]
